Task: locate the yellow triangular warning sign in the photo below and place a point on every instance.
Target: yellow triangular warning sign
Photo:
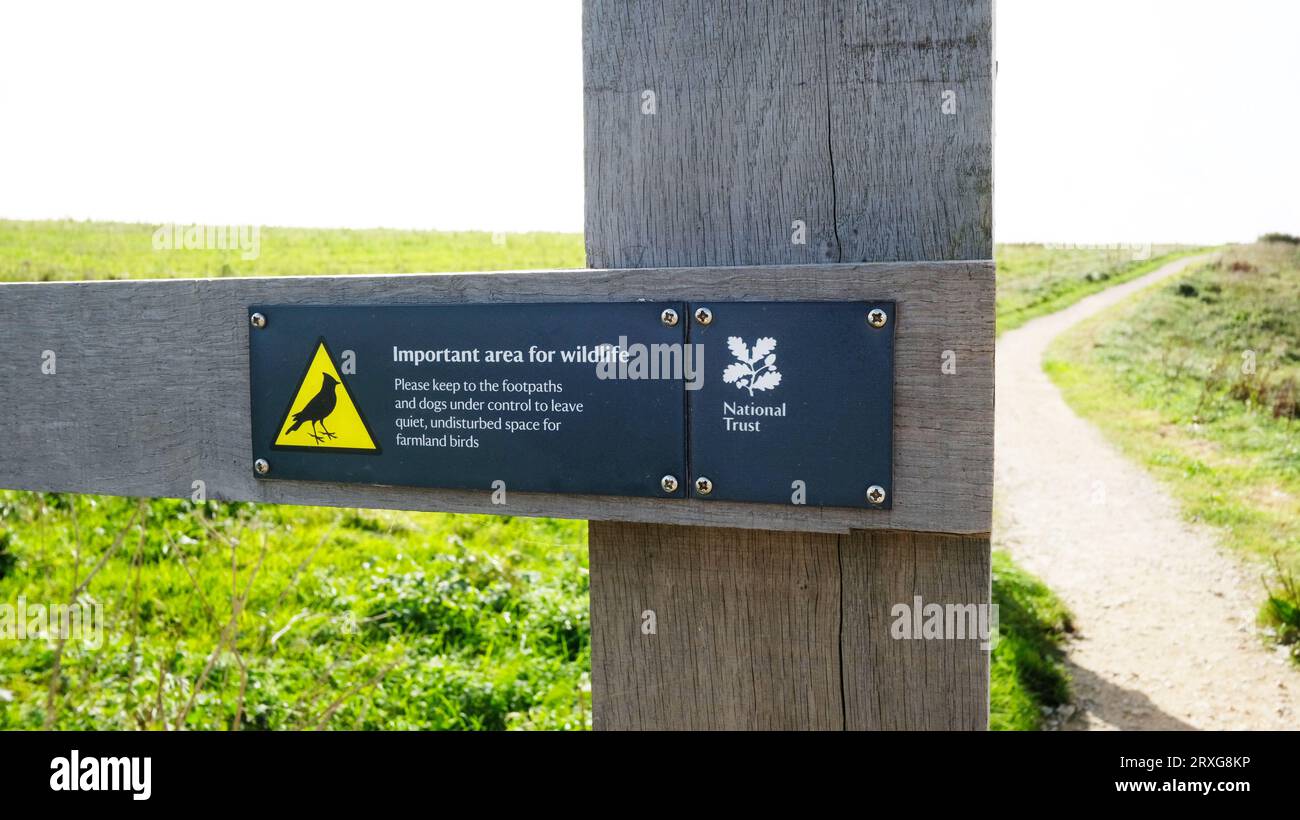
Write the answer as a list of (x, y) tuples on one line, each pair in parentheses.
[(322, 414)]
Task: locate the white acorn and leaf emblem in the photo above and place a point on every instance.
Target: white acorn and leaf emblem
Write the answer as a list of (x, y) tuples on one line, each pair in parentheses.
[(756, 368)]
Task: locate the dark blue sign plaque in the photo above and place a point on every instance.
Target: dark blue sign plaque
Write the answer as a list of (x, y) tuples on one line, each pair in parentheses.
[(797, 405), (466, 396), (768, 402)]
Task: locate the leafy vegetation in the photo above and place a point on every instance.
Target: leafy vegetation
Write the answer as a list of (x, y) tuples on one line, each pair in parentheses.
[(351, 619), (237, 616), (1197, 379), (1289, 239)]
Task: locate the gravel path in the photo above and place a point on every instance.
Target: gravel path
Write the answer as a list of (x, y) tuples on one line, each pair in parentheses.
[(1165, 617)]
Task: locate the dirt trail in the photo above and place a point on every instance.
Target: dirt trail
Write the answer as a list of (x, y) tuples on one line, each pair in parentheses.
[(1165, 616)]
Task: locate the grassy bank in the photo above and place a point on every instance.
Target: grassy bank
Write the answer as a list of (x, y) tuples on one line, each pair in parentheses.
[(261, 617), (1197, 380), (1035, 280), (1027, 672)]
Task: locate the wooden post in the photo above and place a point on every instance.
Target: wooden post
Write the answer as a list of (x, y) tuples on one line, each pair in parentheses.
[(715, 134)]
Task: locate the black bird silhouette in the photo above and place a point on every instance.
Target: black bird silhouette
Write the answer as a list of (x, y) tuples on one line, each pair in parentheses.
[(316, 411)]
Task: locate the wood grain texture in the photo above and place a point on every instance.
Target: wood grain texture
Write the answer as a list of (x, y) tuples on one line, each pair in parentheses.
[(828, 112), (746, 628), (912, 684), (758, 630), (911, 181), (735, 151), (823, 111), (151, 392)]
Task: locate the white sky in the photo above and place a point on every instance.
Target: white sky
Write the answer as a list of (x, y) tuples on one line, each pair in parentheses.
[(1117, 120)]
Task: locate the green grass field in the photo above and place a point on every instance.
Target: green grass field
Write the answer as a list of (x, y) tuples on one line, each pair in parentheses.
[(1034, 280), (225, 616), (1198, 379), (55, 251)]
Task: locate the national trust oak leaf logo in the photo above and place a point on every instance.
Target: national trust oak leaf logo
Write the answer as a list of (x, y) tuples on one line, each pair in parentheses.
[(756, 368)]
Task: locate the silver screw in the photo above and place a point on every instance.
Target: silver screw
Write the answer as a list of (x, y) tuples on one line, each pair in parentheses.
[(261, 466), (877, 317), (257, 320), (875, 494), (703, 315), (703, 486), (669, 483), (668, 317)]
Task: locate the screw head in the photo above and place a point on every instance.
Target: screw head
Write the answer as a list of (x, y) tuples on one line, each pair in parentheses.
[(257, 320), (703, 315), (877, 317), (875, 494), (261, 466), (668, 317), (703, 486), (668, 483)]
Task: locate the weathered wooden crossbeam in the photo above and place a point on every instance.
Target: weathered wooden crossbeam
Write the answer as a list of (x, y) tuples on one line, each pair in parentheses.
[(141, 388)]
